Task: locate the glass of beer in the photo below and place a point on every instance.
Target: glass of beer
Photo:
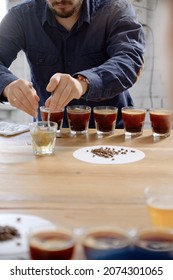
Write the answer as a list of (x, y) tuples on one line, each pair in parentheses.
[(105, 119), (53, 116), (51, 243), (161, 122), (78, 118), (106, 243), (133, 119), (43, 137), (160, 205)]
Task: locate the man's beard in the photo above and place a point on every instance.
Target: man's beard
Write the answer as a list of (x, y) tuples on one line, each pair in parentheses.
[(63, 13)]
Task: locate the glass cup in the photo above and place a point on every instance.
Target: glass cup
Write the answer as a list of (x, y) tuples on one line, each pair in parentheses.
[(43, 137), (51, 243), (78, 118), (160, 205), (153, 244), (106, 243), (105, 119), (55, 116), (133, 119), (161, 121)]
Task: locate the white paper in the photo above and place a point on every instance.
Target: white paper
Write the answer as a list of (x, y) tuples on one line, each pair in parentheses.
[(132, 155)]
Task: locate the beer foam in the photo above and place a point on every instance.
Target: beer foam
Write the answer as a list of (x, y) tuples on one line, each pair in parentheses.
[(162, 202)]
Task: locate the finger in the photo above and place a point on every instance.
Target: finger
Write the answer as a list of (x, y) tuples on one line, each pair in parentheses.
[(24, 106), (66, 95), (65, 103), (70, 98), (29, 96), (53, 83), (57, 95), (47, 103)]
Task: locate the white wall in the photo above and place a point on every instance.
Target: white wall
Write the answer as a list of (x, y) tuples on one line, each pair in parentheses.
[(150, 90), (151, 84)]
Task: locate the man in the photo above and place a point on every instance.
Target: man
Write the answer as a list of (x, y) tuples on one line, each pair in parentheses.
[(79, 52)]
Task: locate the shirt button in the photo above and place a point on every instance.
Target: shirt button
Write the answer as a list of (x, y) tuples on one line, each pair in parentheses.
[(41, 60)]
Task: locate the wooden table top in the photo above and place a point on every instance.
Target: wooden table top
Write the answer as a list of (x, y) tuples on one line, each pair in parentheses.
[(78, 194)]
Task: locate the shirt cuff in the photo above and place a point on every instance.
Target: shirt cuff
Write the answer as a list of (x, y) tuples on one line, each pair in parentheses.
[(6, 79), (95, 88)]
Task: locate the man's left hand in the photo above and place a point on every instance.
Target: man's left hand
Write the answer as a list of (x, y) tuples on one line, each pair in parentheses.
[(64, 88)]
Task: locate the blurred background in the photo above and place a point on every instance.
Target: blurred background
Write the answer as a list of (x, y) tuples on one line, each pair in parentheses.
[(149, 91)]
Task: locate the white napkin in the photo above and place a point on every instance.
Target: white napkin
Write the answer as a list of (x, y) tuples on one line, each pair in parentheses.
[(7, 128)]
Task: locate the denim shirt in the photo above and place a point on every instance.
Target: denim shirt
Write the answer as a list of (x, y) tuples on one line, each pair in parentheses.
[(105, 45)]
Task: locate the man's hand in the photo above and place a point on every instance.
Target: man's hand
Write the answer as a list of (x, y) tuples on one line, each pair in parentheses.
[(64, 88), (23, 96)]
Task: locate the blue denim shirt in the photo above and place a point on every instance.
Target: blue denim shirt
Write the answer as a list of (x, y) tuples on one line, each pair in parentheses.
[(105, 45)]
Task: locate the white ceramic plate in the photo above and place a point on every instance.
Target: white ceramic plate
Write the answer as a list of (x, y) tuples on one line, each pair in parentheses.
[(17, 248), (132, 155)]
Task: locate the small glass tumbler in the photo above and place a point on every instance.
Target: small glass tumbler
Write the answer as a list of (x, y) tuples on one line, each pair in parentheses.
[(133, 119), (161, 122), (51, 243), (160, 205), (105, 119), (153, 244), (78, 118), (54, 116), (106, 243), (43, 137)]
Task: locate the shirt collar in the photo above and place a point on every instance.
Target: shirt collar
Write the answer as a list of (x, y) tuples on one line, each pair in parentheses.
[(85, 14), (84, 17)]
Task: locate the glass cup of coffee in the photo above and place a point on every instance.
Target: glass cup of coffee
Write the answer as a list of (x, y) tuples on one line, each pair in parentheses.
[(51, 243), (153, 244), (53, 116), (106, 243), (133, 119), (160, 205), (78, 118), (105, 119), (43, 137), (161, 122)]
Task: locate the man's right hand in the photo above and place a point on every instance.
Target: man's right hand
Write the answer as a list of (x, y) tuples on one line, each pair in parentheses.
[(23, 96)]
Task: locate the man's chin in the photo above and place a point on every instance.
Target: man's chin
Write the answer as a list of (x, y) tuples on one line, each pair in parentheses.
[(63, 13)]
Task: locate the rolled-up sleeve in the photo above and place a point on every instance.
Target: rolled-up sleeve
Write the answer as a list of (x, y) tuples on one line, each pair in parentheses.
[(11, 42), (125, 49)]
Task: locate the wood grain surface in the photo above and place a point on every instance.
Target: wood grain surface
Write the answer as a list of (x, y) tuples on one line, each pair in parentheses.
[(78, 194)]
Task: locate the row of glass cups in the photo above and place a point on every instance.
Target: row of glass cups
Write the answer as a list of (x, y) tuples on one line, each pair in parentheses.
[(100, 243), (105, 119), (44, 133), (108, 242)]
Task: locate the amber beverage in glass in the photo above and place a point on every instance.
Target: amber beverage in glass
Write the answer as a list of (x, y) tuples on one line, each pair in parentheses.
[(161, 121), (160, 205), (54, 244), (133, 119), (78, 118), (105, 119), (43, 137), (54, 116)]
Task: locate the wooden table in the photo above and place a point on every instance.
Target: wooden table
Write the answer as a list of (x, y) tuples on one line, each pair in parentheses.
[(77, 194)]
